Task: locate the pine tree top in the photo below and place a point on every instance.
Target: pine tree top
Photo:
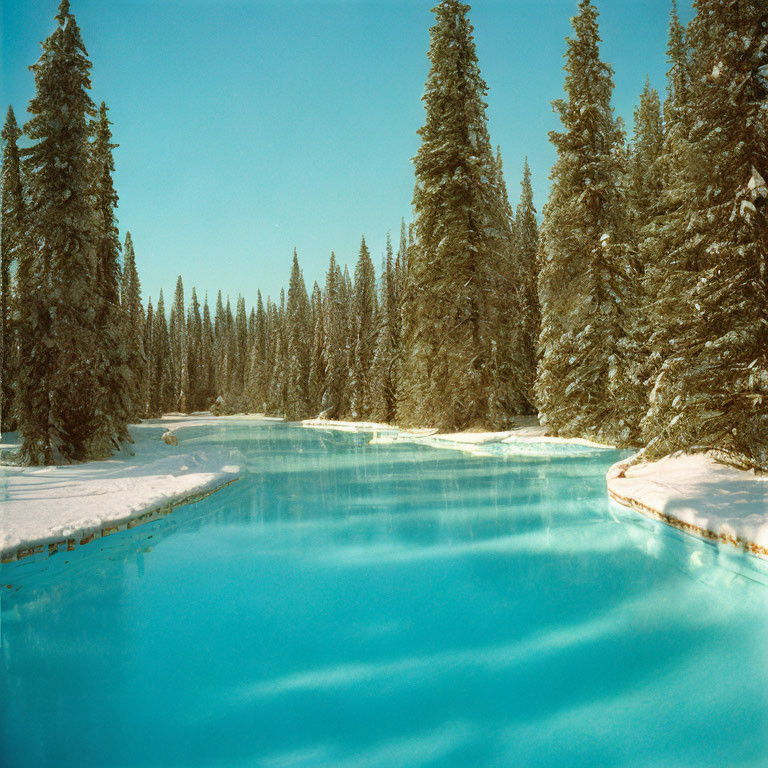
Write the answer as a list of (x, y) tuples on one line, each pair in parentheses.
[(11, 131), (63, 13)]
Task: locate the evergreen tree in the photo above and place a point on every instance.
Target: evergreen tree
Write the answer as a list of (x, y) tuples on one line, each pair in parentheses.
[(163, 395), (12, 238), (194, 354), (527, 251), (115, 376), (230, 357), (644, 188), (278, 382), (508, 393), (318, 367), (299, 350), (663, 246), (712, 389), (580, 376), (261, 356), (385, 364), (148, 347), (207, 359), (178, 340), (220, 347), (133, 313), (364, 333), (454, 268), (335, 348), (58, 383), (241, 339), (645, 179)]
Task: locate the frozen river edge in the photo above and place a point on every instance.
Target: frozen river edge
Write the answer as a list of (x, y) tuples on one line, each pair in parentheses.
[(47, 509)]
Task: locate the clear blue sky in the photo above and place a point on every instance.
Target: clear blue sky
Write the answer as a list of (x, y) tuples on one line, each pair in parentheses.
[(248, 127)]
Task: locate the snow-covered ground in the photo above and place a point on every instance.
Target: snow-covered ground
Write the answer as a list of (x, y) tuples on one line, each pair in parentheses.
[(50, 505), (698, 495), (528, 439)]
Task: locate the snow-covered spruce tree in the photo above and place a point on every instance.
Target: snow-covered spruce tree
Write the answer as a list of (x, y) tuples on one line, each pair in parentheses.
[(251, 335), (335, 401), (133, 313), (148, 347), (299, 348), (207, 359), (527, 252), (12, 238), (644, 178), (58, 382), (454, 268), (162, 391), (663, 249), (507, 392), (350, 342), (274, 323), (220, 346), (643, 188), (115, 377), (194, 353), (230, 358), (583, 264), (318, 368), (411, 370), (260, 357), (278, 395), (385, 371), (712, 391), (241, 352), (363, 324), (178, 339)]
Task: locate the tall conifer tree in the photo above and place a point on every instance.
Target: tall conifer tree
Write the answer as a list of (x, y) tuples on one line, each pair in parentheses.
[(133, 312), (527, 253), (580, 376), (319, 367), (364, 312), (114, 373), (712, 390), (298, 352), (384, 378), (58, 382), (12, 238), (454, 318), (335, 393)]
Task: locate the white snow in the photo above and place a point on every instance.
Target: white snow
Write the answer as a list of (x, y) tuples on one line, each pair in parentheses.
[(45, 504), (528, 439), (698, 495)]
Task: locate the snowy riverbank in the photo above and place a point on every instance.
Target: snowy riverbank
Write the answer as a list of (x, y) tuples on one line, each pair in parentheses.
[(529, 439), (700, 496), (55, 507), (60, 507)]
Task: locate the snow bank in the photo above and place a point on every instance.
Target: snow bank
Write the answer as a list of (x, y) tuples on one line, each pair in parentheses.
[(530, 439), (65, 505), (699, 496)]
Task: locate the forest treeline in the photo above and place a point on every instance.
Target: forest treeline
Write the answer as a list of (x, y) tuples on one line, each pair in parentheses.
[(636, 313)]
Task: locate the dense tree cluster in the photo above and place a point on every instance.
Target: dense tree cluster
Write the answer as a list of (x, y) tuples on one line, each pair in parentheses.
[(636, 314), (653, 280)]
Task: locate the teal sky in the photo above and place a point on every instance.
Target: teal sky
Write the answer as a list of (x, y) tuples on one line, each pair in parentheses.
[(248, 127)]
